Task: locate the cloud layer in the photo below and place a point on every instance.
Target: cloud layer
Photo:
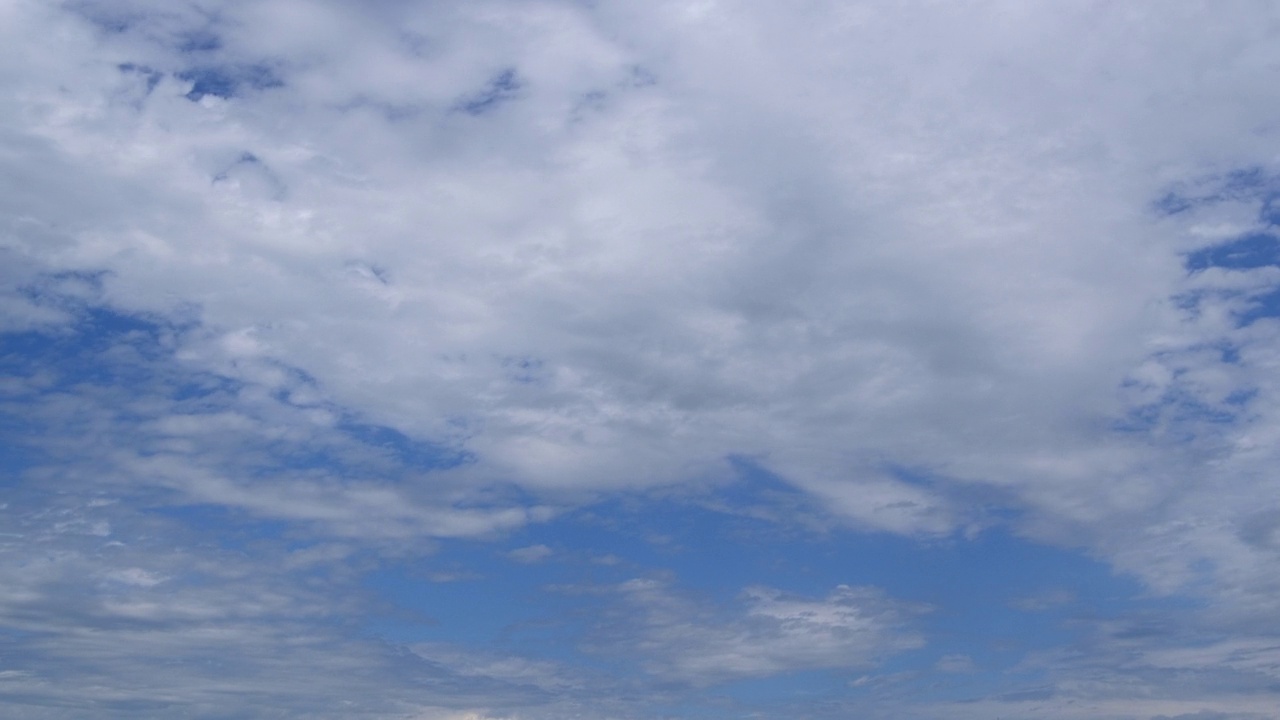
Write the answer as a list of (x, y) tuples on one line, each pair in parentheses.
[(405, 273)]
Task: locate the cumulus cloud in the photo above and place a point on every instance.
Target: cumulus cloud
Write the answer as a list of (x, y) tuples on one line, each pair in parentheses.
[(625, 292)]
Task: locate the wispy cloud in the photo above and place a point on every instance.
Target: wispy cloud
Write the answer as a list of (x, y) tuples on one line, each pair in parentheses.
[(764, 632)]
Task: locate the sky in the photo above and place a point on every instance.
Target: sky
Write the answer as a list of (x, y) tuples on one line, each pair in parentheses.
[(596, 360)]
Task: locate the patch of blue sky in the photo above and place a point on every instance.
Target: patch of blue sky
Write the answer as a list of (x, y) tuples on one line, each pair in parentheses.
[(199, 41), (197, 385), (133, 355), (1248, 180), (226, 527), (993, 599), (1179, 409), (16, 455), (1250, 251), (229, 81), (759, 692), (1230, 353), (1265, 305), (411, 453), (1245, 253), (1251, 307), (502, 88), (714, 554), (483, 608), (976, 587), (1270, 212), (103, 348), (1240, 398), (1243, 183)]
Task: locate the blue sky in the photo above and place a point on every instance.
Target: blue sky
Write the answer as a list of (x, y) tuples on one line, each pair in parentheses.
[(529, 360)]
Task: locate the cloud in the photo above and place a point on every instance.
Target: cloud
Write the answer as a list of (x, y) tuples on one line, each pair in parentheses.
[(126, 613), (1256, 655), (1164, 661), (680, 275), (531, 554), (121, 413), (409, 272), (766, 632)]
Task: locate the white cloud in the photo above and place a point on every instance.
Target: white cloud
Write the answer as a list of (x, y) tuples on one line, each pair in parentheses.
[(677, 311), (766, 632), (702, 233), (843, 239)]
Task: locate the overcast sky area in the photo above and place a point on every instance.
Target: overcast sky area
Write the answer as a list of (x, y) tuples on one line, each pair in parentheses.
[(545, 359)]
